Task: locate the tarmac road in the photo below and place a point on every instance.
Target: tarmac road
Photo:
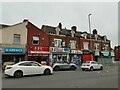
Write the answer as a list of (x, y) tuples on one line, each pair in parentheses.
[(107, 78)]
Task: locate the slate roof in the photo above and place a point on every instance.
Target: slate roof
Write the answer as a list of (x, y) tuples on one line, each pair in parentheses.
[(67, 32)]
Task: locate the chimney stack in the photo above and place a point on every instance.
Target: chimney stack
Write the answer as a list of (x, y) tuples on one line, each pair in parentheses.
[(60, 25), (74, 28), (94, 31), (25, 20)]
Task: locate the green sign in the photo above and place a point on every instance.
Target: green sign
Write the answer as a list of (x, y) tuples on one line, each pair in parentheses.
[(112, 53), (105, 53), (97, 53)]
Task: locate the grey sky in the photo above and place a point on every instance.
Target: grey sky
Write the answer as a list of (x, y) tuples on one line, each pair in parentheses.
[(104, 15)]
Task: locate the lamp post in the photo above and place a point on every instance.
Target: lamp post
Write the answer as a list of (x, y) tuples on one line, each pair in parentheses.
[(90, 34)]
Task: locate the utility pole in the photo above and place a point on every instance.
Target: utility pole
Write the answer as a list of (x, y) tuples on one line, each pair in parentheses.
[(90, 34)]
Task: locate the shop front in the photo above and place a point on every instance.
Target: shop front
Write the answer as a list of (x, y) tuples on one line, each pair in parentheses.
[(96, 55), (39, 54), (75, 57), (87, 56), (106, 57), (13, 54), (59, 54)]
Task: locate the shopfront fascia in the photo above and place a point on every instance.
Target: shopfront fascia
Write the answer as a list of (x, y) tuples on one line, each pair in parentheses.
[(38, 51), (39, 54), (105, 53), (59, 54), (15, 54), (97, 53)]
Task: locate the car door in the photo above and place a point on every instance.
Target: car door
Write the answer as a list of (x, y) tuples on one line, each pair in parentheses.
[(26, 68), (65, 65), (94, 65), (37, 68), (97, 65)]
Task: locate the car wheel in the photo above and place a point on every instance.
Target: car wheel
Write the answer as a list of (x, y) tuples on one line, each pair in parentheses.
[(47, 72), (101, 68), (72, 67), (91, 69), (56, 68), (18, 74)]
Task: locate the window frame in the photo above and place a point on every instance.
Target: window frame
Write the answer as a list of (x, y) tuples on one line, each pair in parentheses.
[(57, 42), (17, 38), (73, 44), (85, 44), (33, 40)]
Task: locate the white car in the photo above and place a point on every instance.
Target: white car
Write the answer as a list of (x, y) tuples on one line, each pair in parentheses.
[(27, 68), (62, 65), (91, 65)]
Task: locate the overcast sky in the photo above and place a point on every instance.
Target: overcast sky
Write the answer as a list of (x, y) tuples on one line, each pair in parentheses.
[(104, 15)]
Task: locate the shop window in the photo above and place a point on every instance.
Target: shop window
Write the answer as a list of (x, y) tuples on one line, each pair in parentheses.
[(35, 40), (17, 38), (58, 42), (72, 44), (85, 44)]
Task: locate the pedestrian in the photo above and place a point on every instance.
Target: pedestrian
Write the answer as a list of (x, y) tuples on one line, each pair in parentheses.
[(47, 61)]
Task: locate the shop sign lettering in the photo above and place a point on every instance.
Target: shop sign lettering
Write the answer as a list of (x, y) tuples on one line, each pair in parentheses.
[(13, 50)]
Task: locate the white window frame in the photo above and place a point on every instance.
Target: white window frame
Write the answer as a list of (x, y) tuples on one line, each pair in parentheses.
[(85, 45), (72, 44), (17, 38), (96, 45), (106, 46), (72, 33), (35, 37), (58, 42), (57, 29), (96, 37)]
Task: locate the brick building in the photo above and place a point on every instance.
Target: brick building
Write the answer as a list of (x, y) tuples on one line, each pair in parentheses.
[(77, 44), (24, 41), (117, 52), (37, 44)]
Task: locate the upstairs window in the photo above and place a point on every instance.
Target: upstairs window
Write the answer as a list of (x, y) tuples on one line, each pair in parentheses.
[(72, 44), (17, 38), (35, 40), (106, 47), (72, 33), (58, 42), (96, 45), (96, 37), (57, 29), (105, 38), (63, 43), (85, 45)]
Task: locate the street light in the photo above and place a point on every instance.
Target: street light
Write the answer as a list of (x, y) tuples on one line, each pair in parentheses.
[(90, 33)]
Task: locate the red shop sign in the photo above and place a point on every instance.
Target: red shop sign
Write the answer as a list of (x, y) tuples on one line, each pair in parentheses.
[(37, 48)]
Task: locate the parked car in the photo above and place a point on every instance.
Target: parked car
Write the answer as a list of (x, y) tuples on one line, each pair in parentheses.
[(27, 68), (91, 65), (62, 65)]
